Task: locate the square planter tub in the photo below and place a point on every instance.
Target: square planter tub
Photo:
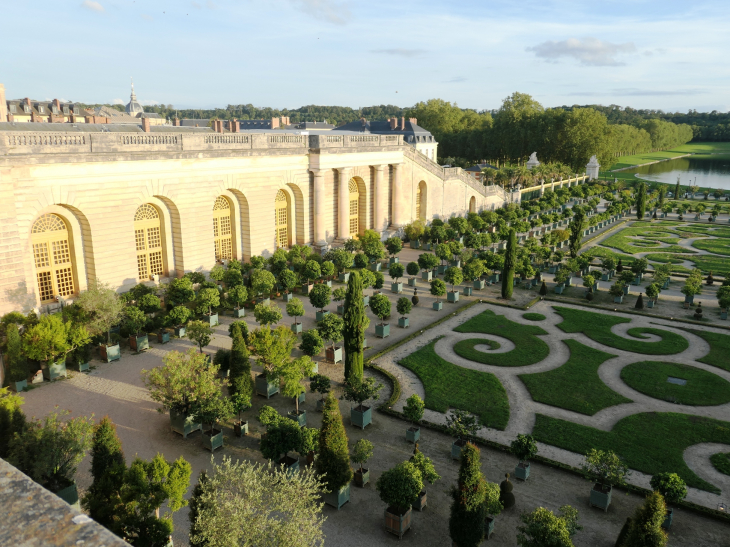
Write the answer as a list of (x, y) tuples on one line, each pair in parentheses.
[(179, 331), (361, 416), (240, 312), (54, 369), (452, 296), (211, 442), (180, 423), (300, 418), (456, 449), (397, 524), (266, 388), (163, 337), (110, 353), (413, 434), (396, 288), (522, 471), (421, 501), (361, 477), (438, 306), (467, 291), (478, 284), (427, 276), (601, 497), (139, 343), (320, 315), (338, 499), (403, 322), (383, 330), (344, 277), (296, 328), (334, 355), (212, 319)]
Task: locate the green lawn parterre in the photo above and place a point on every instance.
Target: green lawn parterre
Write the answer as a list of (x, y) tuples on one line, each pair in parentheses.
[(719, 246), (597, 327), (721, 462), (575, 385), (649, 157), (529, 349), (702, 389), (719, 355), (652, 442), (450, 386)]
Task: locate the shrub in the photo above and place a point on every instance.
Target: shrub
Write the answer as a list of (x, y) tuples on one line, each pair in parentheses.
[(604, 467), (414, 407), (380, 306), (400, 486), (669, 485), (295, 309), (396, 271), (438, 288), (403, 306), (312, 343), (319, 296), (267, 314), (331, 327), (362, 452), (524, 447), (199, 332), (645, 529)]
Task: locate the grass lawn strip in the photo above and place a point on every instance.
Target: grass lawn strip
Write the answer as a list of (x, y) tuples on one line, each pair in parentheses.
[(721, 462), (533, 316), (597, 327), (652, 442), (648, 157), (529, 349), (575, 385), (623, 242), (717, 246), (450, 386), (702, 389), (719, 355)]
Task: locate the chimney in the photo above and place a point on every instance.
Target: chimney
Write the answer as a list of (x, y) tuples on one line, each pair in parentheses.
[(146, 125), (274, 123), (57, 104), (27, 101), (218, 126), (89, 119), (3, 105), (176, 122), (413, 121), (393, 122), (402, 124), (234, 125)]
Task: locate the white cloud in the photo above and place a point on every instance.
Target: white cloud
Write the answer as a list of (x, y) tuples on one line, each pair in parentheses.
[(327, 10), (589, 51), (402, 52), (118, 101), (92, 6)]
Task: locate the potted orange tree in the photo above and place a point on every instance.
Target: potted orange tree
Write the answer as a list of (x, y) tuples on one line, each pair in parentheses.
[(428, 474), (332, 463), (606, 470), (134, 321), (237, 296), (291, 375), (50, 340), (359, 390), (331, 328), (176, 318), (524, 447), (399, 488), (282, 436), (413, 411), (295, 309), (320, 384), (361, 453), (380, 306), (461, 425), (103, 309)]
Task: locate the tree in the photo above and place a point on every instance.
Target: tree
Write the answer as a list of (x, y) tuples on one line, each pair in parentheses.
[(342, 259), (295, 309), (394, 245), (238, 295), (239, 364), (246, 503), (178, 316), (179, 292), (355, 324), (292, 374), (287, 280), (371, 245), (399, 487), (134, 319), (319, 296), (669, 485), (52, 337), (396, 271), (469, 507), (312, 343), (18, 369), (427, 261), (273, 347), (107, 469), (319, 383), (604, 467), (645, 529), (542, 528), (576, 228), (640, 200), (267, 314), (462, 425), (333, 462), (425, 466), (443, 252), (510, 262), (403, 306), (12, 419), (262, 282), (413, 409), (438, 288), (360, 390), (453, 276), (199, 332), (380, 306), (207, 300), (524, 447), (328, 269), (331, 327)]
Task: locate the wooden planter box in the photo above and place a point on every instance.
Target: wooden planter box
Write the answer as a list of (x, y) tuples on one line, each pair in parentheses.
[(291, 465), (413, 434), (397, 524), (396, 288), (618, 299), (723, 314), (139, 343), (240, 429), (522, 470), (627, 290), (54, 369), (478, 284), (438, 306), (456, 449), (427, 276), (110, 353), (70, 495), (452, 296), (341, 309), (180, 423), (266, 388), (239, 312), (467, 291), (366, 300), (338, 499), (321, 315), (421, 502), (344, 277), (415, 244), (649, 303), (163, 337), (19, 386), (442, 269), (456, 263), (300, 418), (320, 405), (559, 289), (212, 319), (601, 496), (383, 330), (361, 416), (393, 260), (296, 328), (211, 442), (376, 266), (668, 519), (179, 331), (306, 289), (334, 355), (81, 367), (403, 322), (362, 478)]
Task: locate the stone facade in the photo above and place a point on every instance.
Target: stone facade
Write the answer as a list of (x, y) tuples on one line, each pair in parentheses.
[(97, 181)]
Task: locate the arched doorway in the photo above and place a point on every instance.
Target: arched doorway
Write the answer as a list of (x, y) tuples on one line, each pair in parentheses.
[(421, 201), (281, 214), (53, 256), (222, 234), (149, 241), (473, 205), (354, 216)]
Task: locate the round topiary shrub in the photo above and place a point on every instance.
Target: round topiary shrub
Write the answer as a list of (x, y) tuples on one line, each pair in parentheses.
[(533, 316)]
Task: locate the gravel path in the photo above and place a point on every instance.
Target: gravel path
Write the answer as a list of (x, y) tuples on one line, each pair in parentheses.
[(523, 409)]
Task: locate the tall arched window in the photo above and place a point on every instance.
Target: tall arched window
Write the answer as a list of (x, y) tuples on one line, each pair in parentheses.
[(52, 252), (222, 229), (148, 238), (421, 201), (354, 207), (281, 213), (473, 205)]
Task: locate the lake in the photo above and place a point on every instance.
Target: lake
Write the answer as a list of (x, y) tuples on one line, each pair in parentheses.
[(706, 171)]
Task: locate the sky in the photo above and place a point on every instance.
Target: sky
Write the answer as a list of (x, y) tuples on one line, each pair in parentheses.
[(667, 55)]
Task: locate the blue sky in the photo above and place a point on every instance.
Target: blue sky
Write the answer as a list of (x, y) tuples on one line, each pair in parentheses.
[(288, 53)]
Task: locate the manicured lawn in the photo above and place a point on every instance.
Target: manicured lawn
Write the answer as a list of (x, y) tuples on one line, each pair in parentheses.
[(721, 462), (719, 355), (717, 246), (449, 386), (651, 378), (706, 263), (598, 252), (529, 349), (575, 385), (533, 316), (623, 241), (691, 148), (597, 327), (650, 442)]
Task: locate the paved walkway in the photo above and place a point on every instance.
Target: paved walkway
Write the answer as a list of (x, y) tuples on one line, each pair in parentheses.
[(523, 408)]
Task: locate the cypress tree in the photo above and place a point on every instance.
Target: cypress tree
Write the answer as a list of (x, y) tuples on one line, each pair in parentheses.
[(640, 302), (576, 227), (645, 529), (12, 419), (333, 462), (468, 510), (641, 201), (196, 505), (510, 261), (543, 289), (107, 468), (240, 366), (355, 324), (676, 190)]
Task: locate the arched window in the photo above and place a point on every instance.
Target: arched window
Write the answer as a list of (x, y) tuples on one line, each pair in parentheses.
[(148, 238), (52, 252), (473, 205), (222, 233), (421, 201), (281, 214), (354, 207)]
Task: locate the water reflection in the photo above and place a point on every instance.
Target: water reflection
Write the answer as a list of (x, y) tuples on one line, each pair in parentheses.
[(709, 171)]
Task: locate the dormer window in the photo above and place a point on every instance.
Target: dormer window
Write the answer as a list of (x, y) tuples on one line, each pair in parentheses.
[(12, 109), (55, 110), (65, 110), (26, 108), (40, 110)]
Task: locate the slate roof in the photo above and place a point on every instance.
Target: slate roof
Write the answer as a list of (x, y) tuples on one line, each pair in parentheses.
[(479, 166), (96, 128)]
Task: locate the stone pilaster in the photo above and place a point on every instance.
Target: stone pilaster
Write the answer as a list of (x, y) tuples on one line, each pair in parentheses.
[(397, 220), (380, 216), (343, 204), (320, 228)]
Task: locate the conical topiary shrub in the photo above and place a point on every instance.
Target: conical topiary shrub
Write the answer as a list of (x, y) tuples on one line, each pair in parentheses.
[(640, 302), (543, 289), (505, 492), (333, 462)]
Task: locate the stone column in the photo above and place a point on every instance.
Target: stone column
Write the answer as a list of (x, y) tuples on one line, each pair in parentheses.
[(380, 193), (343, 203), (398, 209), (320, 233)]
